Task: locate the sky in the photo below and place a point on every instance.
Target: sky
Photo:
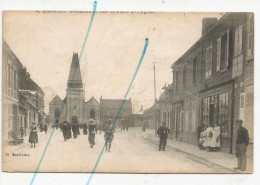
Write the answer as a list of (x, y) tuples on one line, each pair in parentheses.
[(45, 41)]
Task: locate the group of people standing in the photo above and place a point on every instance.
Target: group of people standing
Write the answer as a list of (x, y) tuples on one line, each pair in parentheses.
[(69, 129), (209, 137), (89, 129), (44, 127)]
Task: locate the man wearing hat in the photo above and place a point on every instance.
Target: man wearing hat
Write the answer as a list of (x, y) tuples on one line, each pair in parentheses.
[(241, 145), (163, 132)]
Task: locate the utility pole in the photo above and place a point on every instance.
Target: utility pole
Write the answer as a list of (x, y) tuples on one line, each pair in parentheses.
[(155, 109)]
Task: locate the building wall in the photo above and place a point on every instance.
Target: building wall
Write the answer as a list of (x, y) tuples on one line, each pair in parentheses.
[(219, 75), (55, 111), (74, 104), (249, 77), (10, 87), (91, 111)]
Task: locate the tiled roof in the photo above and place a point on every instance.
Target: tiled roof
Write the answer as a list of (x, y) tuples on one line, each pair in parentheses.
[(75, 74), (56, 100), (115, 104)]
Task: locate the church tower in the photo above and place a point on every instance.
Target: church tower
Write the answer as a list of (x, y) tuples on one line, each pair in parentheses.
[(75, 92)]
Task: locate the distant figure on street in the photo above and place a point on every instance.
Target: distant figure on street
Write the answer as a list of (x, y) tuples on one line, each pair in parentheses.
[(144, 126), (199, 130), (45, 128), (33, 138), (241, 146), (109, 130), (92, 131), (63, 128), (85, 128), (68, 130), (122, 126), (57, 124), (215, 141), (163, 132), (75, 130), (22, 131), (41, 126)]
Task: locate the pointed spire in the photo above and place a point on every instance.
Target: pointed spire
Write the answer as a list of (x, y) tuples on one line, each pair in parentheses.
[(75, 79)]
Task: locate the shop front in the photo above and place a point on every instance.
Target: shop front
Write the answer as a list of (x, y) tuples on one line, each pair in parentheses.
[(216, 107)]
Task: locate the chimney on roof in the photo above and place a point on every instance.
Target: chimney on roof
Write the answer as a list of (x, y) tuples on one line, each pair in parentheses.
[(207, 24)]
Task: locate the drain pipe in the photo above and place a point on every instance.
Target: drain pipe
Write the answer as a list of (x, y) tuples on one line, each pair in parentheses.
[(232, 117)]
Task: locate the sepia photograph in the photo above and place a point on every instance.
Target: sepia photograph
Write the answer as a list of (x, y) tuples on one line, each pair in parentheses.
[(128, 92)]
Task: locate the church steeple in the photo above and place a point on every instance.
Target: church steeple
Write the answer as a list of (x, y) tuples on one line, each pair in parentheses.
[(75, 80)]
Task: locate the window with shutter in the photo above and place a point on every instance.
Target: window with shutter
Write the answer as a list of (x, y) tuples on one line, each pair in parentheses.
[(238, 56), (236, 42), (239, 65), (208, 61), (240, 39), (250, 36), (195, 66), (227, 49), (218, 53), (177, 81), (222, 51), (184, 75)]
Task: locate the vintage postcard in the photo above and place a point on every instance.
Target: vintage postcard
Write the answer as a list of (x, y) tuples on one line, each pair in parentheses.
[(127, 92)]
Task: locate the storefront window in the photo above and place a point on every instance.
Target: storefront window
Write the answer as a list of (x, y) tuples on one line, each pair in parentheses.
[(223, 112), (215, 109)]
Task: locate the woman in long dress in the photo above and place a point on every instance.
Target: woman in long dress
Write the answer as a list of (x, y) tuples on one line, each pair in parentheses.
[(92, 131), (109, 134), (33, 138), (208, 137), (215, 141)]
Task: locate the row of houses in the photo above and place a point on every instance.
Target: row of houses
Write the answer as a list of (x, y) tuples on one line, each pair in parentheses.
[(23, 99), (213, 82)]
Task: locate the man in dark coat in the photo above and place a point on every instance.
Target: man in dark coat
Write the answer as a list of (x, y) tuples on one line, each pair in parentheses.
[(68, 131), (163, 132), (74, 130), (85, 128), (57, 124), (45, 128), (199, 130), (242, 142), (77, 129), (64, 129)]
